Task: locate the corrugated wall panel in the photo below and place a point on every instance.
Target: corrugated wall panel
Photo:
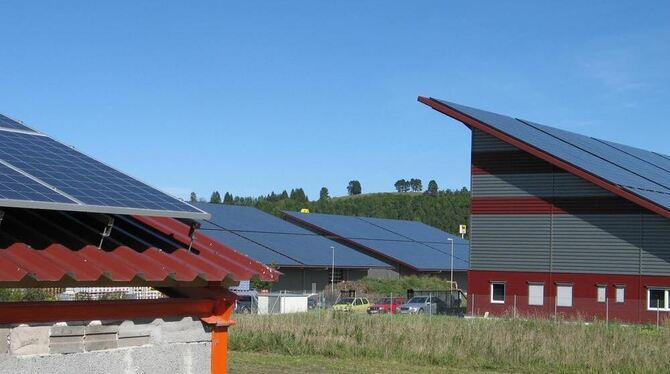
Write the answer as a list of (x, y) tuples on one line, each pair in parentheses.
[(656, 245), (542, 185), (596, 243), (519, 242), (483, 142)]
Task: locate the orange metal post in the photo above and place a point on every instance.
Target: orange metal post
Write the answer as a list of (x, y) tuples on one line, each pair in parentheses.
[(221, 322)]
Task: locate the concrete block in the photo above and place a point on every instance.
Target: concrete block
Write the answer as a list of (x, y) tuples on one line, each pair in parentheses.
[(66, 344), (4, 340), (29, 340), (134, 341), (60, 330), (187, 330), (128, 329), (99, 342), (102, 329)]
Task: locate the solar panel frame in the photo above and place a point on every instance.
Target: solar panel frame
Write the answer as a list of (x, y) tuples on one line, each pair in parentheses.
[(349, 227), (8, 123), (57, 168)]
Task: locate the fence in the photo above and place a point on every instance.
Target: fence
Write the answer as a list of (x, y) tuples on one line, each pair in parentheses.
[(605, 309)]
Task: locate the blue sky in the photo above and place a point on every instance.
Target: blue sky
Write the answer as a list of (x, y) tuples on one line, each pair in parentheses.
[(250, 97)]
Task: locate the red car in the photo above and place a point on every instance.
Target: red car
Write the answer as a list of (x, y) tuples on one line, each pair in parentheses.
[(385, 305)]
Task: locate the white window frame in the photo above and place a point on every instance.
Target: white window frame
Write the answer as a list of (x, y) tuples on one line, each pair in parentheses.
[(620, 291), (601, 293), (504, 292), (666, 291), (558, 299), (536, 285)]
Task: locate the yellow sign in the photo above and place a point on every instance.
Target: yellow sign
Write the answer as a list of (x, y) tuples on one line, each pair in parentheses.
[(304, 210), (462, 229)]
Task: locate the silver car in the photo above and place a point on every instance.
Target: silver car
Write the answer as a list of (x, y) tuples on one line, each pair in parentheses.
[(421, 305)]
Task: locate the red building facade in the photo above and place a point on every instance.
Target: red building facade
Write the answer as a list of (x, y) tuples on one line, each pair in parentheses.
[(549, 238)]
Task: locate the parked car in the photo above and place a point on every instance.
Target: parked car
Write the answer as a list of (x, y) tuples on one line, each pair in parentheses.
[(386, 305), (246, 304), (423, 304), (352, 304), (313, 301)]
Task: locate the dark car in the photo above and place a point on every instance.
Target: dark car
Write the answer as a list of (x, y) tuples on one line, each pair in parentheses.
[(246, 304)]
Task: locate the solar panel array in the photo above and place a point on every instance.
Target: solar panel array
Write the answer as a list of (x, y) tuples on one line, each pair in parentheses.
[(271, 240), (8, 123), (36, 171), (643, 173), (414, 244)]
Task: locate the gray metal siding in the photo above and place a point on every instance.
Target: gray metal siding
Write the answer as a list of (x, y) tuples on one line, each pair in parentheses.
[(655, 258), (585, 243), (483, 142), (598, 243), (510, 242), (542, 185)]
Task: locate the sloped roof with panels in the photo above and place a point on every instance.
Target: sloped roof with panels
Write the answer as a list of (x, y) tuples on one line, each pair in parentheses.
[(414, 244), (640, 176)]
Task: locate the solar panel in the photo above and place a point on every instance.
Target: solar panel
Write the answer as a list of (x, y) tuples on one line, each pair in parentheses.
[(639, 172), (270, 239), (412, 243), (249, 248), (16, 186), (413, 230), (83, 183), (349, 227), (242, 218), (8, 123), (414, 254)]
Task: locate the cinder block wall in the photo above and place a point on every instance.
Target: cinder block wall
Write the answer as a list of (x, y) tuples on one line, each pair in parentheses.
[(147, 346)]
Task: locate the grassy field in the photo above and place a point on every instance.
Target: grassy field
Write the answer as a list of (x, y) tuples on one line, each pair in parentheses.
[(443, 343)]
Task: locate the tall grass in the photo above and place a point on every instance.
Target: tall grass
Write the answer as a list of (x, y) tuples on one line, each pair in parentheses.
[(531, 346)]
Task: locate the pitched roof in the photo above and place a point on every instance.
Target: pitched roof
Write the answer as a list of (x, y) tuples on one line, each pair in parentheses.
[(42, 247), (272, 240), (640, 176), (413, 244)]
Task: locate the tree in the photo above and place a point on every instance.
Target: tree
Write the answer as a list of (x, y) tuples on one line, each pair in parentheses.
[(228, 198), (323, 194), (416, 185), (216, 198), (354, 187), (432, 188), (284, 195), (399, 185), (193, 198)]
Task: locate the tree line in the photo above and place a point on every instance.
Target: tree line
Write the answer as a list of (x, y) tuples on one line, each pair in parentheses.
[(444, 209)]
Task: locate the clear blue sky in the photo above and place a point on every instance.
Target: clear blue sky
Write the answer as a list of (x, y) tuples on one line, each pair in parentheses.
[(249, 97)]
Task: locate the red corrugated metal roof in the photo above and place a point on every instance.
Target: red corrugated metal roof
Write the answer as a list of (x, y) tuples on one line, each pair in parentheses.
[(208, 260)]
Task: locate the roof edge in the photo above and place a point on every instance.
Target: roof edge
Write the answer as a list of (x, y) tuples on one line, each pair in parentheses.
[(537, 152)]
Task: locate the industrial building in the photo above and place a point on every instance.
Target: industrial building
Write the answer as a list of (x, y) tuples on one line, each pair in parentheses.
[(408, 247), (67, 220), (563, 223), (304, 258)]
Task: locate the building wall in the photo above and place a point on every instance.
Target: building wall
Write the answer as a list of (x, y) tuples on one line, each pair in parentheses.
[(301, 279), (158, 346), (529, 218)]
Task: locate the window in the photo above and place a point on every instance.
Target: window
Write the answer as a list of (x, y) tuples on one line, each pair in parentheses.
[(620, 292), (564, 295), (358, 302), (657, 299), (602, 293), (535, 294), (497, 293)]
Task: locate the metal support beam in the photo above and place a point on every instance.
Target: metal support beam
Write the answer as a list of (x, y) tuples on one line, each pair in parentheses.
[(220, 322)]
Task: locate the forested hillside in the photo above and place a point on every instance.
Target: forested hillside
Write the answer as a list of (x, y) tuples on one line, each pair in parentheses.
[(442, 209)]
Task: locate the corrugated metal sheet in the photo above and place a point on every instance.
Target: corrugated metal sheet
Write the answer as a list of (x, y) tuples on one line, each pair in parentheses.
[(483, 142), (58, 254), (541, 185), (518, 242), (656, 244)]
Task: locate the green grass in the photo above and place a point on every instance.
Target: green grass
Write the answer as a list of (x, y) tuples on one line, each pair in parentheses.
[(534, 346), (261, 363)]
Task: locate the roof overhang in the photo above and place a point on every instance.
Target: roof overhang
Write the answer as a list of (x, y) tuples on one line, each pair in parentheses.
[(537, 152)]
